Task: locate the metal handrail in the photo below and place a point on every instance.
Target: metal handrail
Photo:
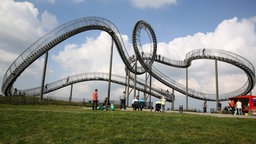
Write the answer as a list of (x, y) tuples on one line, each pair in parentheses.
[(156, 91), (59, 34)]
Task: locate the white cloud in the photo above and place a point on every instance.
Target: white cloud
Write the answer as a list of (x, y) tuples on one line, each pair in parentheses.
[(234, 35), (32, 76), (155, 4), (48, 21), (6, 56), (20, 26), (87, 56), (18, 23), (91, 56), (73, 1)]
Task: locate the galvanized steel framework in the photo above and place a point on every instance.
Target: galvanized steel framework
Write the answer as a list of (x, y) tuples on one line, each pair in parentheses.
[(63, 32)]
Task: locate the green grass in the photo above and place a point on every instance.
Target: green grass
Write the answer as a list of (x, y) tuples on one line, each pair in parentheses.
[(74, 124)]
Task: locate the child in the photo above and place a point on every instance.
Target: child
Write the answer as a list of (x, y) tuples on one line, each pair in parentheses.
[(105, 104), (112, 107)]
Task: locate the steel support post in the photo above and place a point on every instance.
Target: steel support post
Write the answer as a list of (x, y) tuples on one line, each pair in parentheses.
[(71, 93), (43, 76), (128, 87), (145, 86), (217, 85), (110, 68), (172, 108), (187, 89), (135, 77), (150, 84)]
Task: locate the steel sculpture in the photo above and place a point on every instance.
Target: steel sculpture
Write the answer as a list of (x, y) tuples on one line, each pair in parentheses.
[(63, 32)]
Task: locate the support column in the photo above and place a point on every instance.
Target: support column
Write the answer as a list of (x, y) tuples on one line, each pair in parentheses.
[(125, 88), (186, 89), (110, 68), (135, 77), (71, 93), (145, 86), (43, 76), (150, 84), (128, 87), (172, 108), (217, 85)]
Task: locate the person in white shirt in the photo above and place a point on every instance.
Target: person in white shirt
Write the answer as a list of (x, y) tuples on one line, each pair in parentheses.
[(135, 103), (163, 101), (239, 107)]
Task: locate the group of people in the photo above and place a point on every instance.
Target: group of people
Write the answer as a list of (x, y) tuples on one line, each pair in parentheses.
[(160, 105), (137, 104), (106, 102), (235, 108)]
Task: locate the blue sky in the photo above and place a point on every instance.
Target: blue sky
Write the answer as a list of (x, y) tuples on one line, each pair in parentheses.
[(180, 18), (180, 26)]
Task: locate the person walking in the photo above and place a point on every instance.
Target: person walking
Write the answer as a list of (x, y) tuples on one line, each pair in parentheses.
[(122, 101), (95, 99), (239, 107), (163, 101)]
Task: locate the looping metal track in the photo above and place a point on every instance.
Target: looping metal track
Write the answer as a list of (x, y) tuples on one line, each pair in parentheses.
[(63, 32), (146, 62)]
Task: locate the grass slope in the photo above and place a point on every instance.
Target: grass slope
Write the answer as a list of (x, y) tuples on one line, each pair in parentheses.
[(74, 124)]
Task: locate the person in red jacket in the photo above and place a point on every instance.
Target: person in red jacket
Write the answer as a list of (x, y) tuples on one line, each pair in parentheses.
[(95, 99), (232, 105)]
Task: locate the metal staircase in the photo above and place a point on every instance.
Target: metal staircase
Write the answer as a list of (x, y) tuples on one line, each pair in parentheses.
[(53, 86), (213, 54), (51, 39)]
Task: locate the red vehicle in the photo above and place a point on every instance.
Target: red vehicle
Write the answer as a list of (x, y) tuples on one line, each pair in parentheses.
[(248, 103)]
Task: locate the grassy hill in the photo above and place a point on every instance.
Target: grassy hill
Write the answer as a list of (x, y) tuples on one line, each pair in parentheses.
[(75, 124)]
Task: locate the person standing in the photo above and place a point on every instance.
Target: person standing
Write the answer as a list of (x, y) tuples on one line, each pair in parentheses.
[(219, 106), (122, 101), (163, 101), (95, 99), (205, 106), (239, 107), (232, 105)]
